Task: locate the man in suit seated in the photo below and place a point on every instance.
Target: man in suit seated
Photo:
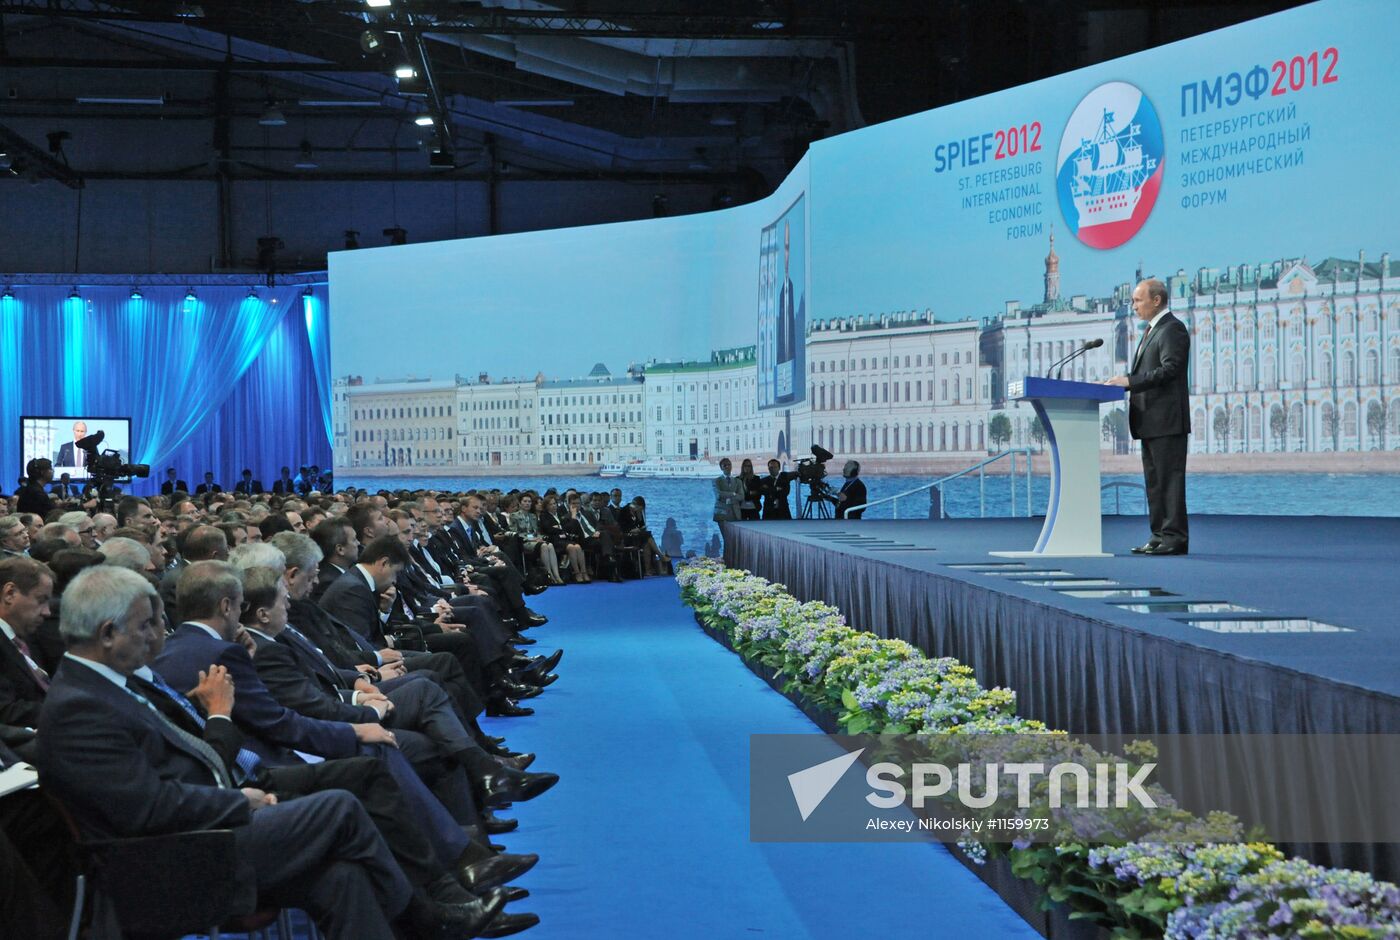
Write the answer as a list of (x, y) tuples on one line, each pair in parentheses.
[(440, 899), (65, 488), (208, 487), (26, 587), (284, 485), (171, 484), (123, 771), (247, 486)]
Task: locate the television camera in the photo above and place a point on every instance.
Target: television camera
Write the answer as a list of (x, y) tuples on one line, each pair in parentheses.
[(107, 468), (811, 472)]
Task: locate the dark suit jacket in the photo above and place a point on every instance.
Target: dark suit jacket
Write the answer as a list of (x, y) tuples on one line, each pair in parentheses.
[(167, 487), (32, 498), (119, 769), (20, 694), (350, 600), (208, 488), (776, 492), (343, 646), (248, 487), (326, 574), (223, 736), (284, 487), (1159, 400), (61, 490), (855, 496), (67, 453), (272, 728), (305, 692)]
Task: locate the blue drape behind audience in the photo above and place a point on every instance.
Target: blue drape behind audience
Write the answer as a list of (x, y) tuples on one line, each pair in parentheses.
[(219, 382)]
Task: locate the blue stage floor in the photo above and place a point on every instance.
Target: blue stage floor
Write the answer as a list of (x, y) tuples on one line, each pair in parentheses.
[(1342, 572), (647, 834)]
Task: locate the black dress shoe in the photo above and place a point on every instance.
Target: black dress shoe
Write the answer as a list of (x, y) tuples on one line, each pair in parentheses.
[(495, 871), (533, 589), (1146, 547), (505, 708), (498, 825), (507, 924), (518, 690), (1165, 549), (523, 640), (517, 786), (495, 740), (545, 664), (515, 893), (514, 762), (533, 619), (471, 917)]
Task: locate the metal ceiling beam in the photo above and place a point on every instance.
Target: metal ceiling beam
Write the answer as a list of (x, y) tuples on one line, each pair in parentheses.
[(186, 65), (26, 156), (443, 16)]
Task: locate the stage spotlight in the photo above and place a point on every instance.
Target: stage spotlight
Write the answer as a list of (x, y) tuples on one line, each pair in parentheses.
[(135, 292), (252, 293), (352, 239), (305, 161), (307, 293), (379, 4), (371, 42), (659, 205), (424, 120), (190, 295), (441, 160), (403, 72), (9, 293), (75, 294), (397, 235), (6, 161), (272, 116)]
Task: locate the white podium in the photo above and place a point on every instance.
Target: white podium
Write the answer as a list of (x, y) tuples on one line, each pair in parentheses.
[(1069, 412)]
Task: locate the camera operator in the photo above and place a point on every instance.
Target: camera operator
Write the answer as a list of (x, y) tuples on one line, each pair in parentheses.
[(852, 492), (34, 496), (776, 489)]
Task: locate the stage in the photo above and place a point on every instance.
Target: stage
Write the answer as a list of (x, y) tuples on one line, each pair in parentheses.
[(1094, 664)]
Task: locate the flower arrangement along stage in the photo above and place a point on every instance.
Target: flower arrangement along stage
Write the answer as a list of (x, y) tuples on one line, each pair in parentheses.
[(1178, 886)]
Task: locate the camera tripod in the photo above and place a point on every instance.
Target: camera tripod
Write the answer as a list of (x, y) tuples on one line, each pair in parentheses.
[(816, 505)]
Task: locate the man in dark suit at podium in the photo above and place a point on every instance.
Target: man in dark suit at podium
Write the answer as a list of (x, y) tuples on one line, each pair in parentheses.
[(1159, 415), (68, 453)]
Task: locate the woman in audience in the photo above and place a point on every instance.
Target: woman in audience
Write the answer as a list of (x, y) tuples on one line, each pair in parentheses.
[(524, 523), (633, 519), (553, 529)]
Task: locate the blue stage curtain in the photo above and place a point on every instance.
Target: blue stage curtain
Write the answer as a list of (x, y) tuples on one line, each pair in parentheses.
[(318, 335), (220, 381)]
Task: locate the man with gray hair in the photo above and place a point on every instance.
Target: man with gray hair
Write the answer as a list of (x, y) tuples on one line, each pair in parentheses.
[(125, 771), (103, 525), (82, 524), (126, 553)]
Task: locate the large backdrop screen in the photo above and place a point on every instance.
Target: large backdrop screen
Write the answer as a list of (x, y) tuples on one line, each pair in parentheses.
[(880, 301)]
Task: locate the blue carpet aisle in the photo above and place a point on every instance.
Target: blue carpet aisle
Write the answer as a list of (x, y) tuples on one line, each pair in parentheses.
[(646, 835)]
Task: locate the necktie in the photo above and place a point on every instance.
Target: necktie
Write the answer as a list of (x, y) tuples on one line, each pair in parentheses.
[(1142, 344), (485, 534), (246, 761), (82, 458), (40, 676), (206, 754), (296, 636)]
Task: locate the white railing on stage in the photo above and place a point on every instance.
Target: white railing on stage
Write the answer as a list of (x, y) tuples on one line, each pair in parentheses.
[(1118, 486), (980, 469)]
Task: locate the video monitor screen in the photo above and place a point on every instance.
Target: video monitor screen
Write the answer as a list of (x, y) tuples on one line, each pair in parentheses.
[(56, 438)]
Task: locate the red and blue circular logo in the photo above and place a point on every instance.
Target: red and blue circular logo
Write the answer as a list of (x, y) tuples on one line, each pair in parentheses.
[(1110, 165)]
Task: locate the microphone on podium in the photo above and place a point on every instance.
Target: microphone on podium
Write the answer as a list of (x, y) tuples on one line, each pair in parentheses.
[(1091, 344)]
